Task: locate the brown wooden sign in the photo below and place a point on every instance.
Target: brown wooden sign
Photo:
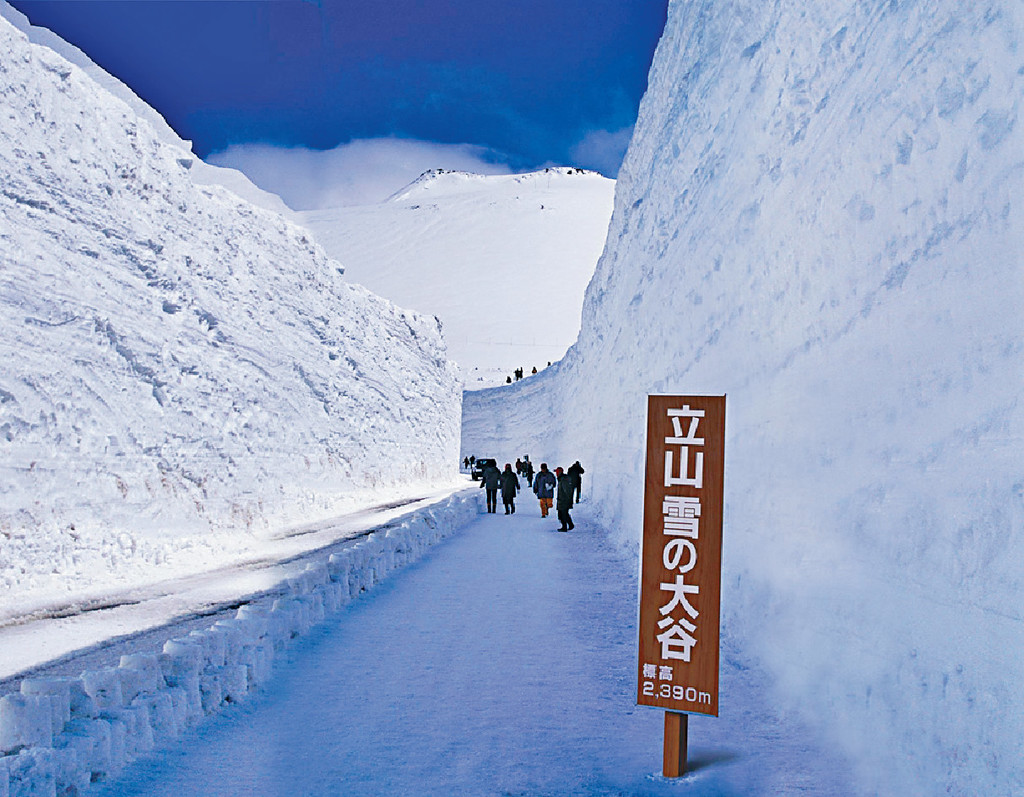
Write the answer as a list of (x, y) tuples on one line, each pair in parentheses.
[(681, 575)]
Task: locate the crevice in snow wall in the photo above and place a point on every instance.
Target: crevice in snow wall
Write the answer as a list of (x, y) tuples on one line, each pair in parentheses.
[(819, 217), (176, 363)]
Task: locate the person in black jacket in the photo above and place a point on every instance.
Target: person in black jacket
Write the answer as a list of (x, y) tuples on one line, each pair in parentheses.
[(489, 478), (576, 473), (563, 499), (509, 488)]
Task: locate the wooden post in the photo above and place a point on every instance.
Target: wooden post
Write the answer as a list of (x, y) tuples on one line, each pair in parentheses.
[(674, 763)]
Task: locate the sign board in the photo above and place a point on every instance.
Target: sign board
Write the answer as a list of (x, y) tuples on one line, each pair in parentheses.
[(681, 560)]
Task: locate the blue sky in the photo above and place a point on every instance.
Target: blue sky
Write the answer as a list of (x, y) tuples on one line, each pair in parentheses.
[(516, 84)]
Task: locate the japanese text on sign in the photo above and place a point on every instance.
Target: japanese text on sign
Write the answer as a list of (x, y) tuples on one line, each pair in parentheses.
[(681, 563)]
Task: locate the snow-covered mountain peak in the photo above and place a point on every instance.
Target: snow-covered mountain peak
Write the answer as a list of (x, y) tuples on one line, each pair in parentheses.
[(502, 260), (444, 182)]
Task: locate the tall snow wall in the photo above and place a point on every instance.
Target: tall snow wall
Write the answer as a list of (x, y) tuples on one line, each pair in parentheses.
[(175, 362), (819, 215)]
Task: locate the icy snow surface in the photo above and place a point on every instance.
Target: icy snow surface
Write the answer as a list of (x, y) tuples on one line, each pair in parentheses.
[(501, 260), (501, 663), (819, 215), (183, 374)]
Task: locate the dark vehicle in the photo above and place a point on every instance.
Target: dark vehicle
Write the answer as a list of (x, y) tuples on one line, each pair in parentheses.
[(478, 467)]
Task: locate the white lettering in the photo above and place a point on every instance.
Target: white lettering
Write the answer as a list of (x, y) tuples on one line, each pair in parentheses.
[(673, 553), (690, 439), (679, 590), (683, 478), (676, 643)]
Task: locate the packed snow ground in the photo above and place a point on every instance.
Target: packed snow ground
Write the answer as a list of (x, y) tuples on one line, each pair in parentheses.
[(819, 216), (503, 662), (67, 634), (64, 727), (501, 260)]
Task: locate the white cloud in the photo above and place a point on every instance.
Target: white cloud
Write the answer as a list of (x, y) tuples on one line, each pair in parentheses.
[(602, 150), (361, 172)]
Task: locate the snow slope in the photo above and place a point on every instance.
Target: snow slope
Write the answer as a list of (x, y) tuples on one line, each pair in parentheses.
[(501, 260), (819, 216), (181, 370)]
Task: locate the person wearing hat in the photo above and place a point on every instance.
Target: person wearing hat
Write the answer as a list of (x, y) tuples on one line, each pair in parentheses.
[(563, 499), (544, 488)]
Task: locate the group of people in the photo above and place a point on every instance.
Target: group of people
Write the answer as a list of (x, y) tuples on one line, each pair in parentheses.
[(519, 374), (524, 468), (560, 489)]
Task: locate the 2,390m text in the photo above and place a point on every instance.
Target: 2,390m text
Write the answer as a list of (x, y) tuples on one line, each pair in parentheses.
[(676, 692)]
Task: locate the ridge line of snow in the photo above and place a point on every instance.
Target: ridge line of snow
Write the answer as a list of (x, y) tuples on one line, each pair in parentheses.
[(204, 173)]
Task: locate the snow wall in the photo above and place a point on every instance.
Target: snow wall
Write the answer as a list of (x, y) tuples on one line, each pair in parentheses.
[(819, 215), (178, 364)]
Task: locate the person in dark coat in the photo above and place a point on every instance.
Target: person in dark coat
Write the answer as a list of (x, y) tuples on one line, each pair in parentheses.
[(528, 471), (509, 488), (544, 488), (490, 478), (576, 473), (563, 499)]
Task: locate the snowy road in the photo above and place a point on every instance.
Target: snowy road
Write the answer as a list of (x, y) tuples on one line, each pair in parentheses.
[(500, 663), (93, 630)]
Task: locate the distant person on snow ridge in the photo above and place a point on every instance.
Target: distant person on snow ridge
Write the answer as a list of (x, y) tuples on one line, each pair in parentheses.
[(544, 488), (509, 488), (576, 472), (489, 479), (563, 499)]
